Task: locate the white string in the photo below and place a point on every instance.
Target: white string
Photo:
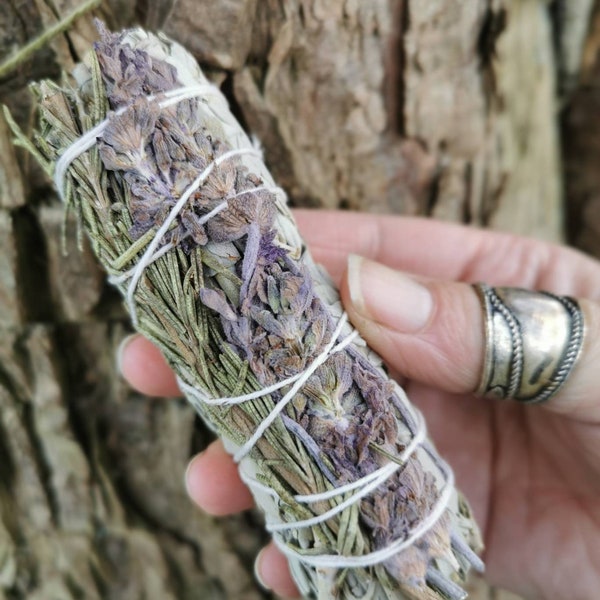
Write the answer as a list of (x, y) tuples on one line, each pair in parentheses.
[(254, 483), (348, 487), (146, 258), (416, 441), (88, 140), (118, 279), (83, 144), (186, 93), (198, 395), (367, 484), (337, 561), (267, 422), (298, 381), (383, 474), (387, 469)]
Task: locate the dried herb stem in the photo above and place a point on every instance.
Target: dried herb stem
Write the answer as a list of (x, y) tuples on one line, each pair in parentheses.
[(24, 53)]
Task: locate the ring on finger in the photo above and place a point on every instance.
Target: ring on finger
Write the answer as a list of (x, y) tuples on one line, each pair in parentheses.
[(532, 342)]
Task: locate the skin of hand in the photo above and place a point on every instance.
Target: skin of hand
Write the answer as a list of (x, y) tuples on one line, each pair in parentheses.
[(531, 473)]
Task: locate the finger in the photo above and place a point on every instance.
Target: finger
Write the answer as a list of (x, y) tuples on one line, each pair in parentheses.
[(145, 368), (213, 482), (433, 332), (273, 572), (447, 251), (424, 329)]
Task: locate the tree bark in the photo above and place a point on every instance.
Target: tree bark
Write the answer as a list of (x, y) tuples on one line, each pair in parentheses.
[(441, 108), (581, 132)]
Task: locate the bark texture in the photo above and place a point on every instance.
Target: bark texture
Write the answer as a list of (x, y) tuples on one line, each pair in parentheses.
[(581, 131), (441, 108)]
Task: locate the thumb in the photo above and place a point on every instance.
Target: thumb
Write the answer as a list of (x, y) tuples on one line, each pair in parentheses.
[(433, 332), (426, 330)]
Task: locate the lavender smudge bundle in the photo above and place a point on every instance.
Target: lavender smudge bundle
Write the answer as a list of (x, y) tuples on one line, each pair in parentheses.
[(183, 214)]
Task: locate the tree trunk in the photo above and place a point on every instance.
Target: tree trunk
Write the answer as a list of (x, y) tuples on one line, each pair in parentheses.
[(441, 108)]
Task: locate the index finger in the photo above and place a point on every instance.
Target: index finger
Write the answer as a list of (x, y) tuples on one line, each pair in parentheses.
[(449, 251)]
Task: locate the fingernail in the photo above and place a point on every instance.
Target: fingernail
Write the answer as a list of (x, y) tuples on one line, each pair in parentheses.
[(124, 343), (387, 296), (257, 574), (186, 476)]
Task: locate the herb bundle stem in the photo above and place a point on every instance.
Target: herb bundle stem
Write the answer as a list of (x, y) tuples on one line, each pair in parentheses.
[(353, 492), (24, 53)]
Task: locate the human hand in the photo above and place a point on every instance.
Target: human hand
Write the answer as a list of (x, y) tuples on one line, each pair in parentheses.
[(531, 473)]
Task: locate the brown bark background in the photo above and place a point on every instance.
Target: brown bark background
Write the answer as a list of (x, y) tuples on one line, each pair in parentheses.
[(484, 112)]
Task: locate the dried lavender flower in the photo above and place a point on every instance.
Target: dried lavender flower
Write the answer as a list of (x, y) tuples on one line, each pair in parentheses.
[(187, 220)]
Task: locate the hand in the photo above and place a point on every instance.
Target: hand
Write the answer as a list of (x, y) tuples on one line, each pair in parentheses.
[(531, 474)]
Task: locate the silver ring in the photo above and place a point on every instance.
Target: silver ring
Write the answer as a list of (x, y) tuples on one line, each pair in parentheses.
[(532, 342)]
